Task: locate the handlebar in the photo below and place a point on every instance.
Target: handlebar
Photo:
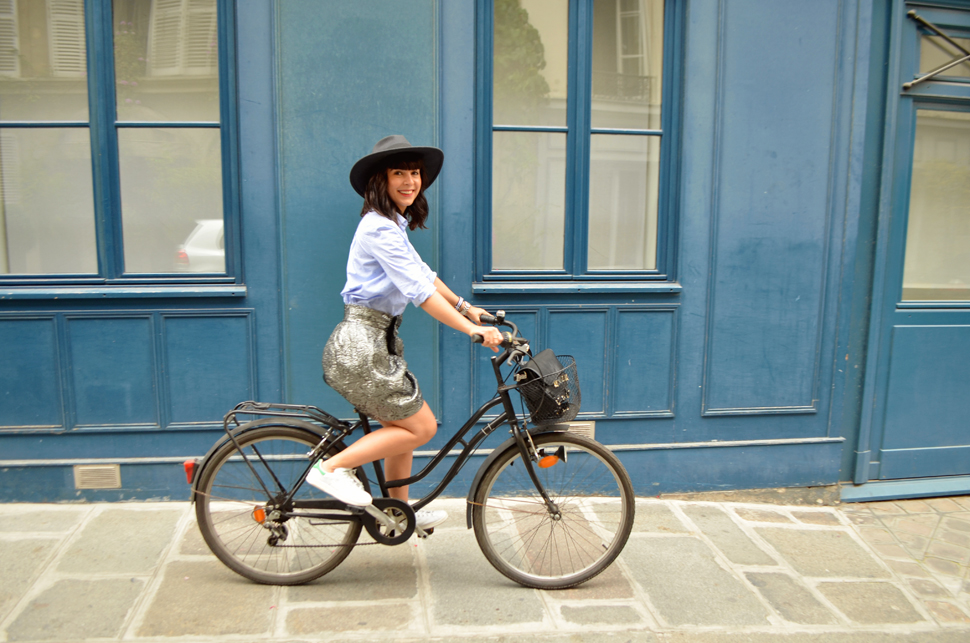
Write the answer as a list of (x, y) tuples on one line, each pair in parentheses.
[(510, 340)]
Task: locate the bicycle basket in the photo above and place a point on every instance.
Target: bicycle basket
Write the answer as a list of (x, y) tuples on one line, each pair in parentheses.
[(549, 385)]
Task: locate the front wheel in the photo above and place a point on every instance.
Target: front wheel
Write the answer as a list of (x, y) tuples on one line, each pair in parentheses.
[(536, 547), (250, 523)]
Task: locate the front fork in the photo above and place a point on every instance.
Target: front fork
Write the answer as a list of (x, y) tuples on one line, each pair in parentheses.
[(530, 456)]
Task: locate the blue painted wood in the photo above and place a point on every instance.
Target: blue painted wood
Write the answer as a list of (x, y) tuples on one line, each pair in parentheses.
[(350, 74), (113, 370), (208, 363), (772, 209), (584, 334), (926, 402), (643, 362), (30, 392), (912, 423), (921, 488)]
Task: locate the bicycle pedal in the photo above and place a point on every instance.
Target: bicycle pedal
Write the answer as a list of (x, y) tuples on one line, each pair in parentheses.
[(423, 533)]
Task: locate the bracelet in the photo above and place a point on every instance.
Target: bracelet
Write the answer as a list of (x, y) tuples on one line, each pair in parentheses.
[(461, 300), (465, 309)]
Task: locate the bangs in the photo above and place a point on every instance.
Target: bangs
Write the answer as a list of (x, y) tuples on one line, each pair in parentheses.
[(405, 162)]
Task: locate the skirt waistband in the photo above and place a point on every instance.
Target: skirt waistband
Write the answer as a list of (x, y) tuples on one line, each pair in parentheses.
[(370, 317)]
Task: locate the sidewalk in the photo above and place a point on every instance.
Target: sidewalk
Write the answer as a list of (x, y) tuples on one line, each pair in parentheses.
[(692, 572)]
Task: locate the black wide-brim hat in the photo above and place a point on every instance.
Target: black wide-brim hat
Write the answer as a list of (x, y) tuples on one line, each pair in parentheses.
[(388, 147)]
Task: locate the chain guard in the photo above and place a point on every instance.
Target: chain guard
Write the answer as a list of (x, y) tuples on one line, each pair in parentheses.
[(399, 511)]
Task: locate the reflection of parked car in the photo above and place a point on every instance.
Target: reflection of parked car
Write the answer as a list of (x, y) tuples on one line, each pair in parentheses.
[(204, 249)]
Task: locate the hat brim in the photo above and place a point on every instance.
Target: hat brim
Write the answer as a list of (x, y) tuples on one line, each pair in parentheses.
[(363, 169)]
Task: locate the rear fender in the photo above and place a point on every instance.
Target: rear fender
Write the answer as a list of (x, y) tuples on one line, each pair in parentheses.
[(200, 465), (493, 456)]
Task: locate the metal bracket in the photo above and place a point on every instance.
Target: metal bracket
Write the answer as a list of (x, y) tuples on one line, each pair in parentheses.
[(939, 70)]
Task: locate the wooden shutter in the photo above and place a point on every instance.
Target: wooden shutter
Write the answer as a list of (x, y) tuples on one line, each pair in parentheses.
[(9, 44), (65, 19)]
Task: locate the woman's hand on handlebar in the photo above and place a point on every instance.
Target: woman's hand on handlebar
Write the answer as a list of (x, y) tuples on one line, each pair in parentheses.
[(490, 335), (475, 314)]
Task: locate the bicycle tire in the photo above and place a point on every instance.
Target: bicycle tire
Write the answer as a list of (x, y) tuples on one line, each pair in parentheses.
[(523, 541), (231, 495)]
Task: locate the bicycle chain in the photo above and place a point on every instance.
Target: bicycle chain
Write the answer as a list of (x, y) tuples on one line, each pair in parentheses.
[(356, 544)]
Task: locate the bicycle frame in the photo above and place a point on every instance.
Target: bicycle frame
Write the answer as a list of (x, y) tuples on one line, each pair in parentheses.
[(335, 430)]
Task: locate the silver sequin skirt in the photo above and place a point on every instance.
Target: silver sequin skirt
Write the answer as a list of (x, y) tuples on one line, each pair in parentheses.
[(364, 362)]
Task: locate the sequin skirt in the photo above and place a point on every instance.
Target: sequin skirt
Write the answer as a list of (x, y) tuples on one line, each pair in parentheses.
[(364, 362)]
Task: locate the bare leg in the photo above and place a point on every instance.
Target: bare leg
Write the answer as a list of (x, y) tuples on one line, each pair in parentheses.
[(394, 443)]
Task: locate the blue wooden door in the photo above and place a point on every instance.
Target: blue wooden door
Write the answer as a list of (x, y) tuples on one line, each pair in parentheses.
[(920, 343)]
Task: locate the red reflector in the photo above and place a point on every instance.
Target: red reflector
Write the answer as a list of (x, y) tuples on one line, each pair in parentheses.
[(259, 515), (189, 466)]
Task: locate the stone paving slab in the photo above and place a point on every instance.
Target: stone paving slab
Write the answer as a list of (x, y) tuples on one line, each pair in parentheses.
[(693, 572)]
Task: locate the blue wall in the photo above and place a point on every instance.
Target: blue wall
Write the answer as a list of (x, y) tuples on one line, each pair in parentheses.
[(736, 379)]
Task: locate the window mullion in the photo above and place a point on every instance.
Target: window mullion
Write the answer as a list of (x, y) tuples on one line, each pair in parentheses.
[(577, 140), (104, 137)]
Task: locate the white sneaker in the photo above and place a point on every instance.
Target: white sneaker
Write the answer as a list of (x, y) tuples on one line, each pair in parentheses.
[(341, 484), (429, 519)]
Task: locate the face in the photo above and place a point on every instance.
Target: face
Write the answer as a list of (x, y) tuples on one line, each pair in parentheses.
[(403, 187)]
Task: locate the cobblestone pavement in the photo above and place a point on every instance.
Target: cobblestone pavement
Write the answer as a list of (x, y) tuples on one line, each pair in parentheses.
[(693, 572)]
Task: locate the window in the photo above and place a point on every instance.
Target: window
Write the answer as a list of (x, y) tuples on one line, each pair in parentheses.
[(935, 112), (575, 130), (115, 164)]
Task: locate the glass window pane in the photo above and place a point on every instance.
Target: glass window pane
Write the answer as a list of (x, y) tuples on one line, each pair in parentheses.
[(627, 63), (528, 200), (47, 204), (530, 62), (937, 265), (166, 60), (171, 199), (624, 173), (935, 52), (43, 61)]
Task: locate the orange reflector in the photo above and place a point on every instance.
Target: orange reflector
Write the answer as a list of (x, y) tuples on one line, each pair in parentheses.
[(259, 515), (548, 461), (189, 466)]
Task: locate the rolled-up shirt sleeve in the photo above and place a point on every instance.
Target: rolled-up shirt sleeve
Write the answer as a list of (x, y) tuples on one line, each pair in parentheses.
[(391, 249)]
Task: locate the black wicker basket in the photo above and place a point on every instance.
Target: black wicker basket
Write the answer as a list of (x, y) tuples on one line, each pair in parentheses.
[(553, 395)]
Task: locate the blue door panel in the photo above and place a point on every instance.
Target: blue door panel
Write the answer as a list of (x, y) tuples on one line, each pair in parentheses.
[(924, 463), (643, 372), (209, 365), (771, 212), (926, 402), (30, 391), (113, 370), (583, 334), (350, 74)]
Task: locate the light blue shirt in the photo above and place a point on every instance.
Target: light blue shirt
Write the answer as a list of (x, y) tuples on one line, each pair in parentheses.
[(384, 271)]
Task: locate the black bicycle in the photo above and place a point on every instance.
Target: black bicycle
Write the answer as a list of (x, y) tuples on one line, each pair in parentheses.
[(550, 509)]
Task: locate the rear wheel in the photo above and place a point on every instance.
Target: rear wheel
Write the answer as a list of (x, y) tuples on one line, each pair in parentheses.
[(248, 524), (539, 548)]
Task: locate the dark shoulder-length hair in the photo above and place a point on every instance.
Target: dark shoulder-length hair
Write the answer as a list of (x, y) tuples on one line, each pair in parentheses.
[(377, 199)]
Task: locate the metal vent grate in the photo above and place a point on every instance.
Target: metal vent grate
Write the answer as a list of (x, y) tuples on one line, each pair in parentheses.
[(585, 429), (97, 476)]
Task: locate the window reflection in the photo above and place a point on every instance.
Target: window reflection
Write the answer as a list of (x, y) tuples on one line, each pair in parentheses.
[(43, 61), (171, 179), (166, 60), (528, 200), (937, 264), (529, 66), (936, 52), (627, 63), (46, 202)]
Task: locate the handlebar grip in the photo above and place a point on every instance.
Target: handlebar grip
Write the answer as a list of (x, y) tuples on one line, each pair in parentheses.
[(485, 318), (478, 339)]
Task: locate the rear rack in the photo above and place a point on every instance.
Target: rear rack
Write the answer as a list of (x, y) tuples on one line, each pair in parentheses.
[(310, 414)]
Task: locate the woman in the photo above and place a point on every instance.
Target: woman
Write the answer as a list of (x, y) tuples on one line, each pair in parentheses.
[(363, 359)]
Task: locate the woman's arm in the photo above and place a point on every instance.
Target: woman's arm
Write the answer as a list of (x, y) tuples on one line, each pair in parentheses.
[(439, 307), (474, 313)]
